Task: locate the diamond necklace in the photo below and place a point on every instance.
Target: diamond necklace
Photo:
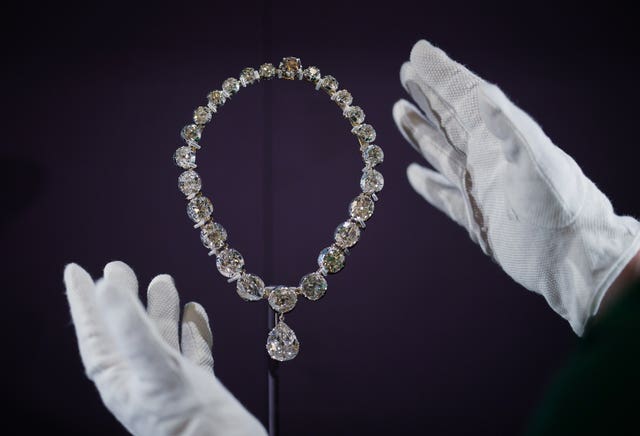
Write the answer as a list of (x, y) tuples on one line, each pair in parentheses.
[(282, 343)]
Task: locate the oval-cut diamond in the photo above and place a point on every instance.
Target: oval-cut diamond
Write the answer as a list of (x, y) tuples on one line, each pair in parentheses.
[(216, 98), (313, 286), (282, 299), (290, 67), (250, 287), (312, 74), (202, 115), (199, 209), (331, 259), (371, 181), (230, 262), (267, 71), (329, 83), (231, 85), (354, 114), (361, 208), (213, 235), (185, 158), (189, 183), (191, 132), (248, 76), (365, 132), (373, 155), (347, 234), (282, 343), (343, 98)]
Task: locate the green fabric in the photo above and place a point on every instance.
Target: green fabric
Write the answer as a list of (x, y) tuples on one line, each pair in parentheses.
[(597, 391)]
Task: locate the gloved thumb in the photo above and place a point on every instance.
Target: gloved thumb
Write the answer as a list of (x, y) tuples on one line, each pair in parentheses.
[(439, 191)]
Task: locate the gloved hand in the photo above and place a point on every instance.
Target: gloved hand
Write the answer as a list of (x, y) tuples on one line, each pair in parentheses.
[(522, 199), (133, 357)]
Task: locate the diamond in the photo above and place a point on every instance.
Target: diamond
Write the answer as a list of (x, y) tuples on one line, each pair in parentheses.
[(231, 86), (267, 71), (364, 132), (373, 155), (230, 262), (371, 181), (189, 183), (213, 235), (331, 259), (361, 208), (282, 299), (202, 115), (282, 343), (216, 99), (313, 286), (347, 234), (343, 98), (248, 76), (250, 287), (199, 209), (191, 132), (290, 68), (329, 84), (185, 157), (312, 74), (354, 114)]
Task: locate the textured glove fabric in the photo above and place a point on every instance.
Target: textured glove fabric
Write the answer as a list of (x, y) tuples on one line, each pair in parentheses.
[(521, 198), (152, 383)]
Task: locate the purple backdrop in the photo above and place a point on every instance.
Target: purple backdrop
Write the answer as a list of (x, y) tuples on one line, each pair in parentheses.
[(420, 331)]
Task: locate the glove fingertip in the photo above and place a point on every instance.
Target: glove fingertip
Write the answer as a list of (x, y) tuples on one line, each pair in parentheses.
[(162, 284), (121, 274), (416, 174), (163, 301), (423, 49), (406, 73), (74, 274), (194, 314)]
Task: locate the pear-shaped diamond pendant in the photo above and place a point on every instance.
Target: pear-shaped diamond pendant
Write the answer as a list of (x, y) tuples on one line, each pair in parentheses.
[(282, 343)]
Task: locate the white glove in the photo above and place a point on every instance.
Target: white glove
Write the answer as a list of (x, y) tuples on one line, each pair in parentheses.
[(522, 199), (134, 359)]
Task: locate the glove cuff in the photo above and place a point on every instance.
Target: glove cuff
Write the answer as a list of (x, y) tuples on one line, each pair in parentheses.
[(632, 249)]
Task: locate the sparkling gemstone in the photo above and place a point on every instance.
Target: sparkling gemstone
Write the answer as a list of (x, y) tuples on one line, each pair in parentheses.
[(371, 181), (199, 208), (189, 183), (282, 343), (213, 235), (329, 83), (373, 155), (267, 71), (354, 114), (248, 76), (230, 262), (231, 85), (365, 132), (191, 132), (202, 115), (216, 98), (343, 98), (361, 208), (313, 286), (250, 287), (331, 259), (290, 67), (282, 299), (347, 234), (312, 74), (185, 157)]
